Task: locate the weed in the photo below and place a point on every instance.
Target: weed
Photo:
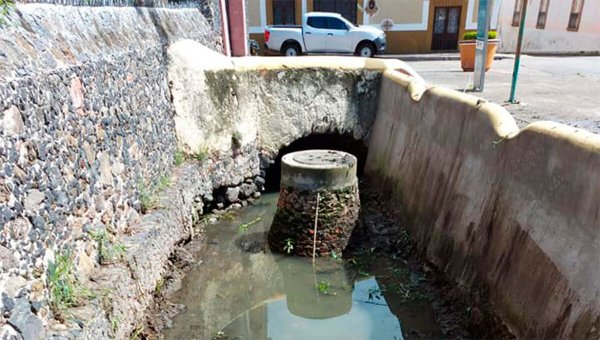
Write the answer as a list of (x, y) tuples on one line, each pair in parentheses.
[(178, 157), (149, 195), (244, 227), (289, 245), (107, 251), (5, 7), (374, 292), (334, 255), (114, 323), (137, 333), (159, 286), (236, 140), (324, 287), (201, 155), (65, 290)]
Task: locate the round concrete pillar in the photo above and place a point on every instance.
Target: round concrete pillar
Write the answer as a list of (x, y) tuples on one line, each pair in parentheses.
[(329, 174)]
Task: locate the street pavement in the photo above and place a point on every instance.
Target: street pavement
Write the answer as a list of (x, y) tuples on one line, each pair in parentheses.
[(562, 89)]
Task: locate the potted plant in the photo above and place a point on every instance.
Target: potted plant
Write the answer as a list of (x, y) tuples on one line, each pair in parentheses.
[(467, 50)]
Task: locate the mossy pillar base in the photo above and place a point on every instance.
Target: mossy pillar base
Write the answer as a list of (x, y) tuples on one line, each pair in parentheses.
[(332, 176)]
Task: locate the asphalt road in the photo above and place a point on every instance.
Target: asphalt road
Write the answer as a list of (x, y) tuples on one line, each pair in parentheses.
[(563, 89)]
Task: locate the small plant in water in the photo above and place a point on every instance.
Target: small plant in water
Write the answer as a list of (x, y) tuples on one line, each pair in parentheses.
[(289, 245), (244, 227), (324, 287)]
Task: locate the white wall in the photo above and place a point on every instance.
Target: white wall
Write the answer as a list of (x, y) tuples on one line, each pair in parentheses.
[(554, 38)]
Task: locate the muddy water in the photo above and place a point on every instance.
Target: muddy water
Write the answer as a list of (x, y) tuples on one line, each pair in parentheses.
[(241, 290)]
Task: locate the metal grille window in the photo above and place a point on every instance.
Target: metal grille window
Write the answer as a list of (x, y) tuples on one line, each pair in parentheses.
[(575, 16), (284, 12), (517, 13), (542, 14)]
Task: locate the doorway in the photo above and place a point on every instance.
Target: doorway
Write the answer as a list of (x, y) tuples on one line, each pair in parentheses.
[(347, 8), (445, 28)]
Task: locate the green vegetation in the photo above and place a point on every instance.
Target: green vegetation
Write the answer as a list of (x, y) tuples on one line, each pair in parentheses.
[(244, 227), (114, 323), (5, 7), (65, 290), (236, 140), (324, 287), (289, 245), (178, 157), (149, 195), (107, 251), (472, 35), (201, 155)]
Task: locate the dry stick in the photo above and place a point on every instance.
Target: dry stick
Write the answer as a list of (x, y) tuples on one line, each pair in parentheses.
[(315, 231)]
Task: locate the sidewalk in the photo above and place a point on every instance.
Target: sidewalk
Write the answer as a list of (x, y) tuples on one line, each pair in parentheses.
[(562, 89), (436, 56)]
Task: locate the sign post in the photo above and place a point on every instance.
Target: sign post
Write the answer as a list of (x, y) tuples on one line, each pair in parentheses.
[(481, 44), (515, 76)]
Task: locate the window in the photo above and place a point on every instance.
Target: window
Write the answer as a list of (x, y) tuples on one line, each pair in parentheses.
[(575, 16), (284, 12), (517, 13), (317, 22), (542, 14), (336, 24)]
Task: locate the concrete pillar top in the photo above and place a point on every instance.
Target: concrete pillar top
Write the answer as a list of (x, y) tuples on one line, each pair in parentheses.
[(318, 170)]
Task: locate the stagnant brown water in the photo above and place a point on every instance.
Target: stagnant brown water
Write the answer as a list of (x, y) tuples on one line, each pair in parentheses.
[(241, 290)]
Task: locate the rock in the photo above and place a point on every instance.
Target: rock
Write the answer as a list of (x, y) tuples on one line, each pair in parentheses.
[(27, 323), (7, 304), (89, 152), (256, 194), (12, 285), (12, 122), (7, 332), (76, 91), (232, 194), (247, 189), (34, 199), (106, 175), (18, 228), (85, 266), (260, 182), (7, 260)]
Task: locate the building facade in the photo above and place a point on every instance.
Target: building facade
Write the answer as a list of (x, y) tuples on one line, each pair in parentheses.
[(412, 26), (551, 26)]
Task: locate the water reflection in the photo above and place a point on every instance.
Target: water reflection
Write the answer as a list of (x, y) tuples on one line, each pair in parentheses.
[(367, 318)]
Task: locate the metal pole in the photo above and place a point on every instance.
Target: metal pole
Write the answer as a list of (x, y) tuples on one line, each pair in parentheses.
[(513, 85)]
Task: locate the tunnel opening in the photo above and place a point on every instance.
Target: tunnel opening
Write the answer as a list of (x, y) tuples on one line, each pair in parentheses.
[(332, 141)]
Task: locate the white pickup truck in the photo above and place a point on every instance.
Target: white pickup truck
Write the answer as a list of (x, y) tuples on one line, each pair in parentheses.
[(323, 32)]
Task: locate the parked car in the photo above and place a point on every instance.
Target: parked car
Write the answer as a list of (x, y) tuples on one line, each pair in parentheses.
[(323, 32)]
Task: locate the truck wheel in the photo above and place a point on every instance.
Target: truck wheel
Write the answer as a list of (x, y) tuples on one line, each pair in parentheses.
[(290, 50), (365, 49)]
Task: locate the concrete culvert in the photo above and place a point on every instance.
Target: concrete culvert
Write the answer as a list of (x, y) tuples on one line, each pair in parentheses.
[(318, 203)]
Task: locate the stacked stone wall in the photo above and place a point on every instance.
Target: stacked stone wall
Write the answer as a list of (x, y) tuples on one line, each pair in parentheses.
[(86, 129)]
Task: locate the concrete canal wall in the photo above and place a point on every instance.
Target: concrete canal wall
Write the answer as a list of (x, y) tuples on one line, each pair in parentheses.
[(511, 213)]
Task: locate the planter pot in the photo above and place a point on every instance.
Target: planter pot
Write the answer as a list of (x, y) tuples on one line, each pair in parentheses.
[(467, 54)]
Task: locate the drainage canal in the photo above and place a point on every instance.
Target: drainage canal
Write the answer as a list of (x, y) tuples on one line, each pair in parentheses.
[(238, 287)]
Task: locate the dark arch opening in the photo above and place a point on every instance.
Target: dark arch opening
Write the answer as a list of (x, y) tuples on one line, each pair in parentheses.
[(332, 141)]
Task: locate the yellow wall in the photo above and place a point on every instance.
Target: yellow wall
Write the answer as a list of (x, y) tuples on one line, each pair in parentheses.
[(405, 12), (253, 13), (400, 11)]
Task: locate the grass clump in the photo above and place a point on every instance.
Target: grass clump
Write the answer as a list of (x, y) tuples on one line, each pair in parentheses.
[(107, 251), (149, 195), (178, 157), (201, 155), (5, 7), (65, 290)]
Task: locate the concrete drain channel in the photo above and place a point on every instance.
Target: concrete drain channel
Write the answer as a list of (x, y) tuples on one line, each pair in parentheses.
[(310, 262)]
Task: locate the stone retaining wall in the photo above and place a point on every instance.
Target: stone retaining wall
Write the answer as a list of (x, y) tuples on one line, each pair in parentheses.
[(86, 128)]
